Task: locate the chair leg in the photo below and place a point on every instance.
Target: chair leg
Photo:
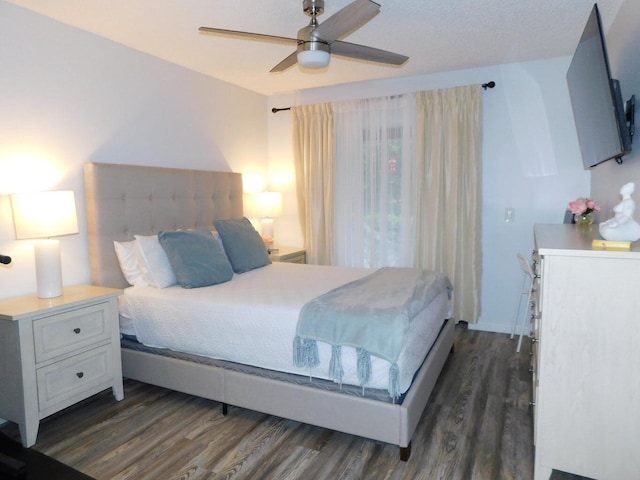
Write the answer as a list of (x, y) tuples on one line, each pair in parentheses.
[(517, 312), (524, 321)]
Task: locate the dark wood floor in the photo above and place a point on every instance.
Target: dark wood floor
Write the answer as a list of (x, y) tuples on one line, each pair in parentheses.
[(477, 425)]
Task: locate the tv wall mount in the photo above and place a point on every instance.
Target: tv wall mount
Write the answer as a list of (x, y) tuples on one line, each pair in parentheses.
[(630, 115), (630, 119)]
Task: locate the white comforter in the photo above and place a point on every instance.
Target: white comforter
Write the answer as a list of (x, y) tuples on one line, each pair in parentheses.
[(252, 320)]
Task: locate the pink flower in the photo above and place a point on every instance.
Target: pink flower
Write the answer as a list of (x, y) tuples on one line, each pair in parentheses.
[(583, 206), (593, 205)]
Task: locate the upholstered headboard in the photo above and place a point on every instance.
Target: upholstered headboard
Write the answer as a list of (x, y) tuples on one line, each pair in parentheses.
[(123, 200)]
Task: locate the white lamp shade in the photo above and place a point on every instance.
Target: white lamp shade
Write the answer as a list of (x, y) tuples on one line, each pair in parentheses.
[(44, 214), (270, 204), (313, 58)]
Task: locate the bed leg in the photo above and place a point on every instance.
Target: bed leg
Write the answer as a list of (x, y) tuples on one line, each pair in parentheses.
[(405, 453), (225, 409)]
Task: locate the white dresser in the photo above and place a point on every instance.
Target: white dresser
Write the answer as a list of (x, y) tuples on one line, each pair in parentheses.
[(56, 352), (586, 359)]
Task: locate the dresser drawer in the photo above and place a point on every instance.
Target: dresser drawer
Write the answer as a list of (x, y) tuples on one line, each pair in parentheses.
[(74, 378), (70, 331)]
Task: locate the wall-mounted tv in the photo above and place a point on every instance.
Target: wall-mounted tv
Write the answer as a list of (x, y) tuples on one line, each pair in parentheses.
[(604, 124)]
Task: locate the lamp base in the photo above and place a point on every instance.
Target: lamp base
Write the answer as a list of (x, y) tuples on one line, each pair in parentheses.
[(48, 268), (266, 227)]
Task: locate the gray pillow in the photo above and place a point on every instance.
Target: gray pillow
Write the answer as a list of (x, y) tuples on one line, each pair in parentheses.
[(196, 257), (243, 244)]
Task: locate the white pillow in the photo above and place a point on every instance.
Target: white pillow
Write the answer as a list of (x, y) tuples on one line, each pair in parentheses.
[(154, 262), (126, 253)]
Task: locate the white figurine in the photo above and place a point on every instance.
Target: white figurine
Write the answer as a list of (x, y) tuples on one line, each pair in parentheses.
[(622, 227)]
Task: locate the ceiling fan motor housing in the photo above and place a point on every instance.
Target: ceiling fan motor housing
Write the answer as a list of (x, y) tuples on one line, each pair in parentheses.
[(312, 52), (306, 40)]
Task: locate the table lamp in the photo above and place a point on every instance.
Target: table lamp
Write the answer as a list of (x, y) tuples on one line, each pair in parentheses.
[(270, 206), (45, 215)]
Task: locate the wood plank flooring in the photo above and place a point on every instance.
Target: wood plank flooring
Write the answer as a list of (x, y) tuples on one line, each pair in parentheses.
[(477, 425)]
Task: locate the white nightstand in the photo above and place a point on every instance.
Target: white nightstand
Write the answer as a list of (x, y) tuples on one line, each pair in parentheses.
[(289, 254), (55, 352)]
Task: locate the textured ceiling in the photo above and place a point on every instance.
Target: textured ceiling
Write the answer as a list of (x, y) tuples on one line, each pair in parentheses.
[(437, 35)]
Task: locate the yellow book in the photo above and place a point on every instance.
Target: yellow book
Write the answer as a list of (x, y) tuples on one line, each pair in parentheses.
[(599, 244)]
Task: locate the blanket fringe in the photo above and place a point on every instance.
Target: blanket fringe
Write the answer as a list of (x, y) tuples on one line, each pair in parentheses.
[(336, 372), (364, 366), (305, 353), (394, 381)]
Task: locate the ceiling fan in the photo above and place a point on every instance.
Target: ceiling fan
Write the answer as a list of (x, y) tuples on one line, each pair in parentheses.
[(317, 41)]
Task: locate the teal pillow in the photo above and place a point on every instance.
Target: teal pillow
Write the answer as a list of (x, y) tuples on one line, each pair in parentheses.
[(196, 257), (243, 244)]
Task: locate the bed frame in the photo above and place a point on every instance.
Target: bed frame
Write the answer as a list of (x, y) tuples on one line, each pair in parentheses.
[(122, 200)]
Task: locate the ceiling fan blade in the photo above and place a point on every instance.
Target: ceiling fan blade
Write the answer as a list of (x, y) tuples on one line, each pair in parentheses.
[(367, 53), (286, 63), (346, 20), (249, 35)]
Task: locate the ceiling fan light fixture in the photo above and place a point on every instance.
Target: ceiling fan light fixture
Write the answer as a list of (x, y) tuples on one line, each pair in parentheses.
[(313, 59)]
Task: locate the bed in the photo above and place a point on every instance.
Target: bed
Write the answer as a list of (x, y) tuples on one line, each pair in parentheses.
[(123, 200)]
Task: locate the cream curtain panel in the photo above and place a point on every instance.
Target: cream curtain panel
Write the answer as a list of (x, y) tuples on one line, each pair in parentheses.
[(313, 146), (448, 217), (395, 181)]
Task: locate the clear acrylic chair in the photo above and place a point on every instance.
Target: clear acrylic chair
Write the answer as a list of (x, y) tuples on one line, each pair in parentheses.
[(526, 289)]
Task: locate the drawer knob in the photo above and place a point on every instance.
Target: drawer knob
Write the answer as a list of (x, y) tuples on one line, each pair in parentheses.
[(532, 370), (80, 374), (76, 330)]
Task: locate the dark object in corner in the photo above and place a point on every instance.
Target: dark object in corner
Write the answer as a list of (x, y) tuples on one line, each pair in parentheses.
[(12, 468), (17, 462)]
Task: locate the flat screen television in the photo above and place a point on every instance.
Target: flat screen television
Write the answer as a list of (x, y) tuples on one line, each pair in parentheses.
[(603, 124)]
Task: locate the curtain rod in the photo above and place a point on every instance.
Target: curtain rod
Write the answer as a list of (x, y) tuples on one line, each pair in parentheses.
[(490, 84)]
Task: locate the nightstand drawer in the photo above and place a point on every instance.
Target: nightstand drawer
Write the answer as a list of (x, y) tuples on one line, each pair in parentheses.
[(288, 255), (302, 258), (74, 377), (67, 332)]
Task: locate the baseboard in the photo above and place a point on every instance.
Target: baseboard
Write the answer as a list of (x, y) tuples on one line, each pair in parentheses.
[(491, 327)]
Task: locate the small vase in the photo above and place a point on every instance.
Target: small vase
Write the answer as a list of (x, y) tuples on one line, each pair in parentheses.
[(584, 219)]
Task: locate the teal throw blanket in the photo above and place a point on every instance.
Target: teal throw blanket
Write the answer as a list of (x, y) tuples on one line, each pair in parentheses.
[(371, 314)]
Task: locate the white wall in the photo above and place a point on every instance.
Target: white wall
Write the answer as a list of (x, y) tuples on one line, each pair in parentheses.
[(531, 162), (68, 97), (623, 44)]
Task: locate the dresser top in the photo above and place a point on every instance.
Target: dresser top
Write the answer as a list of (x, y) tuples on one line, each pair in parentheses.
[(574, 240)]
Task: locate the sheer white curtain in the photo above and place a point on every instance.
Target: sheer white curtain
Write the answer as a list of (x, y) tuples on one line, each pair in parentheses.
[(395, 181), (375, 182)]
